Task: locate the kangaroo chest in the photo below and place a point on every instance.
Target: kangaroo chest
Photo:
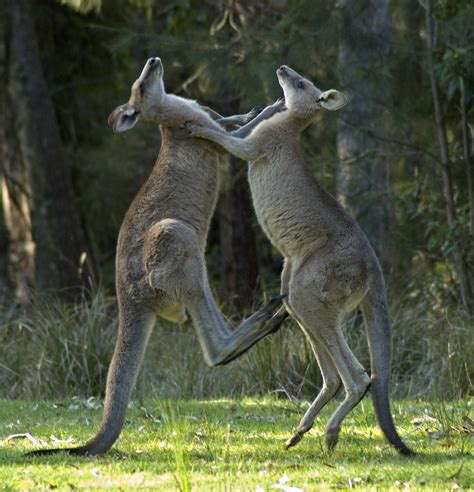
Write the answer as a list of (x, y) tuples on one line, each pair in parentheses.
[(182, 186), (281, 205)]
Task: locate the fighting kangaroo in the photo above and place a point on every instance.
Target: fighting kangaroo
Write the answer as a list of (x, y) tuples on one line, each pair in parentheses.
[(160, 268), (330, 267)]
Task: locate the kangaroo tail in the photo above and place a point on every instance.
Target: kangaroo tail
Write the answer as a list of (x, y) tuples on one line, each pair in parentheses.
[(79, 451), (379, 335)]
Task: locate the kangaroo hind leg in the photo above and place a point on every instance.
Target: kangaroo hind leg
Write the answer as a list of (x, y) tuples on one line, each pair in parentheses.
[(331, 385), (323, 319), (135, 325)]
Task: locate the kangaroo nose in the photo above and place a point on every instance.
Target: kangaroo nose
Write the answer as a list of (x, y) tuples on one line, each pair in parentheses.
[(151, 61), (282, 68)]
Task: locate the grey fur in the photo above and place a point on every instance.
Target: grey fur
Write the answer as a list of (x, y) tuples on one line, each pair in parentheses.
[(160, 268), (330, 267)]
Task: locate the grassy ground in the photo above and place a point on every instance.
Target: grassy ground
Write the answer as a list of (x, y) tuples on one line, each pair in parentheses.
[(232, 444)]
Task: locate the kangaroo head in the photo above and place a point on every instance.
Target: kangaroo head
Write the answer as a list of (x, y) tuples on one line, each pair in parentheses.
[(147, 92), (303, 98)]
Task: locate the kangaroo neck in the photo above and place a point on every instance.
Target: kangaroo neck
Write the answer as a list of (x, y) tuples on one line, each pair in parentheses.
[(295, 123)]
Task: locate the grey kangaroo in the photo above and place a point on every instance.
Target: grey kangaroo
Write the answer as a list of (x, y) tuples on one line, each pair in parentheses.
[(330, 267), (160, 268)]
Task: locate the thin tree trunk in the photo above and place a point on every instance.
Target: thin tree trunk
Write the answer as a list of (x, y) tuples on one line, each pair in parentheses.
[(440, 123), (19, 251), (4, 239), (59, 245), (459, 261), (17, 215), (468, 161), (244, 244), (363, 177), (239, 265)]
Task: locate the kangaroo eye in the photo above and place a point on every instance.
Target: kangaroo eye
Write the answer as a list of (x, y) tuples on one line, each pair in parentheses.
[(299, 84)]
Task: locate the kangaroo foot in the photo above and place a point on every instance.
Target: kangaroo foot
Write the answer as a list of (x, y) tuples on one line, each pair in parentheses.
[(332, 437), (273, 305), (271, 326), (294, 439)]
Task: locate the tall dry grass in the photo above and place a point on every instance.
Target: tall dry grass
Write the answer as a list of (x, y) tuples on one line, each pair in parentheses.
[(50, 349)]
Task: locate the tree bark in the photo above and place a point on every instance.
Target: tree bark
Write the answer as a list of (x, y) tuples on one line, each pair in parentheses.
[(459, 260), (363, 178), (45, 196), (18, 253), (17, 213), (468, 161), (239, 266), (4, 239)]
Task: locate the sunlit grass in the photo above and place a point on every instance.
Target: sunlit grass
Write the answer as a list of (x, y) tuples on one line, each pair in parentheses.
[(229, 444)]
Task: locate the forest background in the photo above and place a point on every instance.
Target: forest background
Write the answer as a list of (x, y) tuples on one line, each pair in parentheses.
[(399, 157)]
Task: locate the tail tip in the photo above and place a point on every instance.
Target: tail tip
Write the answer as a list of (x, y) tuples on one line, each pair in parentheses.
[(406, 451), (79, 451)]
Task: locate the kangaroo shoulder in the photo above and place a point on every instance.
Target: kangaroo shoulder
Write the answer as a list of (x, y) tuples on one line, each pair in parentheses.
[(187, 109), (272, 128)]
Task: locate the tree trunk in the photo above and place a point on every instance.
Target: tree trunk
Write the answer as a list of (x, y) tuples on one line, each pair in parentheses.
[(239, 266), (459, 260), (363, 178), (45, 193), (18, 250), (4, 239), (17, 213), (468, 160)]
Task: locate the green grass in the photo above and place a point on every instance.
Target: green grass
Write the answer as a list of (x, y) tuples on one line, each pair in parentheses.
[(237, 444)]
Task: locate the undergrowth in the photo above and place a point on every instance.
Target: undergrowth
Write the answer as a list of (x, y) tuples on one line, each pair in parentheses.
[(50, 349)]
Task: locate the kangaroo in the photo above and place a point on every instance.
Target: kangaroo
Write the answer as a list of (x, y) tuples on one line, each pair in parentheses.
[(330, 267), (160, 268)]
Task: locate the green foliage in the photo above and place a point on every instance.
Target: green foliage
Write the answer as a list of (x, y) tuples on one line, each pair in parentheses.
[(456, 71), (84, 6), (455, 67)]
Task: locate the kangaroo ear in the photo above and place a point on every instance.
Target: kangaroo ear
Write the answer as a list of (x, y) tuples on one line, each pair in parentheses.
[(123, 118), (332, 100)]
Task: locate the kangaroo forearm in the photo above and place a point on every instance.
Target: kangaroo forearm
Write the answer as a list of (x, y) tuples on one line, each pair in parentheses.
[(266, 114), (213, 114), (229, 121), (241, 148), (235, 120)]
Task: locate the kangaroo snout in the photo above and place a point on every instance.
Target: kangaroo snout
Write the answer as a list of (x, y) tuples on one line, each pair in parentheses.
[(283, 70), (153, 62)]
